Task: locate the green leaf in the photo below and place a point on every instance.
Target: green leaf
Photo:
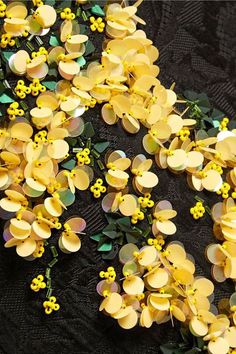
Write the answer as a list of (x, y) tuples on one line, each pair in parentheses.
[(66, 3), (110, 234), (88, 130), (7, 55), (213, 131), (53, 41), (71, 141), (81, 61), (97, 10), (200, 342), (208, 120), (232, 124), (69, 165), (101, 147), (120, 240), (131, 238), (201, 134), (4, 98), (191, 95), (96, 237), (124, 223), (110, 227), (89, 48), (215, 123), (83, 29), (50, 84), (110, 255), (110, 218), (105, 247), (50, 2), (52, 72), (217, 115)]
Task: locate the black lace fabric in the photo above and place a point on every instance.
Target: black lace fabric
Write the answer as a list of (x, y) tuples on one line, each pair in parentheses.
[(197, 44)]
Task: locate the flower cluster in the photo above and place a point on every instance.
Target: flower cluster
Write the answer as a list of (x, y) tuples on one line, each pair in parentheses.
[(158, 286)]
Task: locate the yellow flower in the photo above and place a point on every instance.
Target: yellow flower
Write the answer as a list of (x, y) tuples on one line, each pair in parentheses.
[(51, 305), (38, 283), (98, 188), (97, 24)]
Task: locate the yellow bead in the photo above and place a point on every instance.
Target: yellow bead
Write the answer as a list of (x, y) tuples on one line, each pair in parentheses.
[(93, 28)]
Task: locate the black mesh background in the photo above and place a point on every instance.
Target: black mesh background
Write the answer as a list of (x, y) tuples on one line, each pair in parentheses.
[(197, 43)]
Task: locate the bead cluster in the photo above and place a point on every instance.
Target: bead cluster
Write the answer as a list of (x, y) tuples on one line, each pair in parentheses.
[(83, 157), (109, 275), (37, 3), (67, 14), (39, 250), (38, 283), (183, 134), (137, 216), (7, 39), (13, 111), (3, 7), (36, 87), (146, 201), (96, 24), (98, 188), (224, 190), (197, 211), (21, 89), (51, 305)]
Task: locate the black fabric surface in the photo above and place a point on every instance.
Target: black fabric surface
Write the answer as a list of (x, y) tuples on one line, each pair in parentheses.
[(197, 44)]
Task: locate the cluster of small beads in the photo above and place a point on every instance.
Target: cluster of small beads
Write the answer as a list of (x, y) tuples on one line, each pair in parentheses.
[(83, 157), (224, 190), (183, 134), (98, 188), (2, 9), (97, 24), (146, 201), (39, 250), (67, 14), (37, 3), (38, 283), (158, 242), (138, 215), (36, 87), (51, 305), (21, 89), (13, 111), (197, 211), (109, 275), (6, 39)]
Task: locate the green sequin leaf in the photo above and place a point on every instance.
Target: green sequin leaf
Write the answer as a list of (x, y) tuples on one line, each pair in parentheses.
[(131, 238), (101, 147), (110, 234), (96, 237), (88, 130), (53, 41), (7, 55), (110, 255), (89, 48), (81, 61), (4, 98), (69, 165), (105, 247), (50, 84), (97, 10)]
